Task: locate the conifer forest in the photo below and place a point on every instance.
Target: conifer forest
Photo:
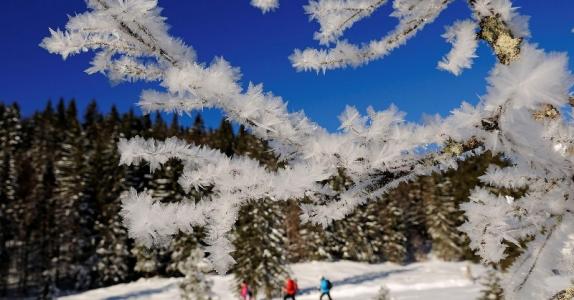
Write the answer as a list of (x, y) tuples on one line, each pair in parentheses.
[(62, 192)]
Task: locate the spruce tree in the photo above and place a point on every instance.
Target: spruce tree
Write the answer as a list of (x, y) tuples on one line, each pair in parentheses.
[(4, 220), (418, 240), (42, 155), (305, 242), (196, 134), (348, 238), (182, 246), (387, 229), (195, 285), (492, 290), (147, 264), (13, 209), (113, 255), (260, 237), (137, 176), (223, 138), (260, 248), (74, 211), (441, 213)]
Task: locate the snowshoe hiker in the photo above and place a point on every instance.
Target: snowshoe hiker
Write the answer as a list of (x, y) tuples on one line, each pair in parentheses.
[(290, 289), (326, 287), (245, 292)]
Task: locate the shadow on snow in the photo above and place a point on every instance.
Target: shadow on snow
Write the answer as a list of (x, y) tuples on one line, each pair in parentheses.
[(142, 293), (357, 279)]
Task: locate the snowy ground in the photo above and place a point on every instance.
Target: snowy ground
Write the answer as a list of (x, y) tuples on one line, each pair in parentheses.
[(352, 280)]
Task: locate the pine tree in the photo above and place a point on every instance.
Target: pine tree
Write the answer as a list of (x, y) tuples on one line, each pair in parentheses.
[(492, 290), (223, 138), (260, 248), (4, 203), (147, 263), (14, 210), (4, 220), (388, 229), (196, 134), (74, 211), (41, 156), (164, 185), (441, 213), (418, 240), (181, 246), (113, 245), (305, 242), (348, 238), (195, 285), (260, 236), (137, 176)]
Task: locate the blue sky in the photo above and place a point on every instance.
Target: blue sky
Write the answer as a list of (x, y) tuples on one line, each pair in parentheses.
[(260, 44)]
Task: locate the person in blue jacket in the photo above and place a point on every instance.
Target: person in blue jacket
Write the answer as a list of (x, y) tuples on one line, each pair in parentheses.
[(326, 286)]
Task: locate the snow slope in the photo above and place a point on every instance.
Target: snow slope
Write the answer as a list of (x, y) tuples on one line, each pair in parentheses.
[(352, 280)]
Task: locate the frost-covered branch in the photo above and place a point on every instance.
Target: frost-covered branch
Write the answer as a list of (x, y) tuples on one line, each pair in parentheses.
[(413, 16), (335, 16), (519, 117), (462, 36)]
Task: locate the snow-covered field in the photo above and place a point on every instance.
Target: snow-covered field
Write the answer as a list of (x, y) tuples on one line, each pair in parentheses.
[(352, 280)]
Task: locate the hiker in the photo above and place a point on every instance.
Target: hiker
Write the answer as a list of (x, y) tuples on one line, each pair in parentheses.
[(326, 287), (290, 289), (245, 293)]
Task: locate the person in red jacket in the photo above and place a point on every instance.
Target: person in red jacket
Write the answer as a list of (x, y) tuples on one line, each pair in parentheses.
[(245, 292), (290, 289)]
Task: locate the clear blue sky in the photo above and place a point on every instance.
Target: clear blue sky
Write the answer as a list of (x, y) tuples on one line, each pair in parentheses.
[(259, 45)]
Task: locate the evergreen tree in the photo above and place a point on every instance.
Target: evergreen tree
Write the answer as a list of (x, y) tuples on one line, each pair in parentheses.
[(305, 242), (113, 253), (196, 134), (74, 211), (418, 240), (348, 238), (195, 285), (312, 242), (147, 263), (260, 236), (223, 138), (492, 290), (388, 230), (441, 212), (13, 209), (137, 176), (164, 185), (4, 222), (41, 156), (260, 248)]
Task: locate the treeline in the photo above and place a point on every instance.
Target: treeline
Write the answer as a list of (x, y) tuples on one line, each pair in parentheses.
[(60, 197)]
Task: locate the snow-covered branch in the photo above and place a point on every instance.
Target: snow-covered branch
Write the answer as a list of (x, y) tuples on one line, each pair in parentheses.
[(462, 36), (519, 117), (335, 16), (413, 16)]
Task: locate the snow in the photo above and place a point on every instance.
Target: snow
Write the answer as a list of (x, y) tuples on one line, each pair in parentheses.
[(352, 280)]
